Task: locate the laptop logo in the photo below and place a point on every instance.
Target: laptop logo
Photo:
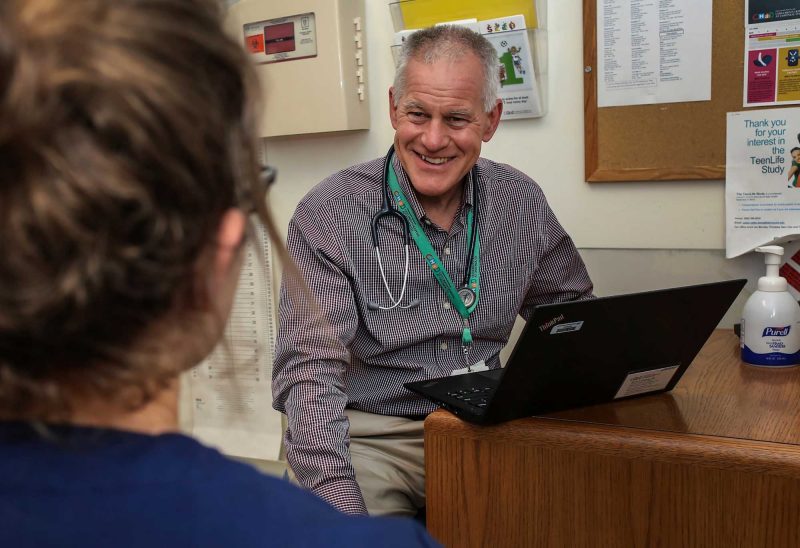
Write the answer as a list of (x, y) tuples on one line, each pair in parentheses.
[(548, 324), (566, 327), (776, 331)]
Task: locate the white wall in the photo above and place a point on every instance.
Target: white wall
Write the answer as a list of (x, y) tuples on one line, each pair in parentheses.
[(668, 215), (632, 236), (616, 221)]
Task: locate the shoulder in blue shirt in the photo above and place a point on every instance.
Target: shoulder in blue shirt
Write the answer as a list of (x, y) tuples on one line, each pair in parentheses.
[(70, 486)]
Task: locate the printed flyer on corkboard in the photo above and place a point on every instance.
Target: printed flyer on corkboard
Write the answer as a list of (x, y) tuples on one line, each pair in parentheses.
[(772, 53), (762, 183)]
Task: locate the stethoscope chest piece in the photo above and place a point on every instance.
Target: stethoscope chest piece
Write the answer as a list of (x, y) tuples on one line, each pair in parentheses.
[(467, 295)]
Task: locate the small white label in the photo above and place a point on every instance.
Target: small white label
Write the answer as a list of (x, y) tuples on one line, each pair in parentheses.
[(480, 366), (643, 382), (566, 327)]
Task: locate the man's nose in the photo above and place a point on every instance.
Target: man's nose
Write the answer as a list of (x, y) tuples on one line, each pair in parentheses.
[(435, 136)]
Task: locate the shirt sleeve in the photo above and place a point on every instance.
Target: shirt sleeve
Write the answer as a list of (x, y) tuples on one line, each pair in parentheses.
[(559, 273), (318, 320)]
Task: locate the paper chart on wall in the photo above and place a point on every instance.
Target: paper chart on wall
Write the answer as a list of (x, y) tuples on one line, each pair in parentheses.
[(230, 392), (653, 52), (762, 183)]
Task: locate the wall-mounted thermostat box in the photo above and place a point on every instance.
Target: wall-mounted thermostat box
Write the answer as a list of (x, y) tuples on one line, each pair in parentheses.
[(310, 56)]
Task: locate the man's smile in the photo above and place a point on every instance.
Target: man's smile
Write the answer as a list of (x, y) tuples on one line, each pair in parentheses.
[(434, 160)]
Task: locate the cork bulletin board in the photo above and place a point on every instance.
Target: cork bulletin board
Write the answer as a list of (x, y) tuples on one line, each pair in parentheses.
[(668, 141)]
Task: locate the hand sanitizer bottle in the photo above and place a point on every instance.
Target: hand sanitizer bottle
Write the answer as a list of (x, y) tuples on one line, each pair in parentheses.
[(770, 333)]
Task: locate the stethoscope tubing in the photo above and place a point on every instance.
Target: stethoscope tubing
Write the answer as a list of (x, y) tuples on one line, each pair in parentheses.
[(388, 210)]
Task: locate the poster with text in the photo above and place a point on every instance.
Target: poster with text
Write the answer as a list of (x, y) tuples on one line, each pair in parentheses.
[(772, 53), (762, 192)]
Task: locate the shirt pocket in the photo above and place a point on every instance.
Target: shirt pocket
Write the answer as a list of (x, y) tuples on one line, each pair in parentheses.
[(503, 291)]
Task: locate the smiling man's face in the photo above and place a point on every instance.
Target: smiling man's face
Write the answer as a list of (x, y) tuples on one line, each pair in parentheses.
[(440, 124)]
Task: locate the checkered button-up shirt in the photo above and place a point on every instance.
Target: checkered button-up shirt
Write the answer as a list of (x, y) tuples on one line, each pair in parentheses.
[(334, 352)]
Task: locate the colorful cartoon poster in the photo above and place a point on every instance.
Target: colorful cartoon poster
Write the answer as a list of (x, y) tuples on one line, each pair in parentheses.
[(772, 53), (762, 190), (518, 87)]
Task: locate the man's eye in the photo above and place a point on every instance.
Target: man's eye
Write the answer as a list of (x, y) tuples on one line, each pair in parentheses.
[(416, 115), (456, 121)]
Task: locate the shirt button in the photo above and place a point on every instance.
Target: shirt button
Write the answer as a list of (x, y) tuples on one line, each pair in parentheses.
[(443, 346), (426, 221), (447, 251), (446, 305)]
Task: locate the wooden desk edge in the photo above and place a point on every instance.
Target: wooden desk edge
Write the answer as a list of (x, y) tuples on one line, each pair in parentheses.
[(633, 443)]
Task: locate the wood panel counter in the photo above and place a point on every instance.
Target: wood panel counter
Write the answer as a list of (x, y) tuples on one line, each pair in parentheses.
[(715, 462)]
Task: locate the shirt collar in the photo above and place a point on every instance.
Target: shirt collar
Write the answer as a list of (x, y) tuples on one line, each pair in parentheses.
[(411, 195)]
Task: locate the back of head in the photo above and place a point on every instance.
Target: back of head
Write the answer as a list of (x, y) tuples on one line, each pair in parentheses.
[(450, 43), (125, 136)]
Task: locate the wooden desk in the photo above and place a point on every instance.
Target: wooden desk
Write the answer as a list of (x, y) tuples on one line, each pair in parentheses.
[(716, 462)]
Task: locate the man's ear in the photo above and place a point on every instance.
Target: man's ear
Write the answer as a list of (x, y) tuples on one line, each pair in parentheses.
[(494, 120), (392, 108)]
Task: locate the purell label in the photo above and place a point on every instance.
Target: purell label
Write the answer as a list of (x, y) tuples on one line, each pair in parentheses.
[(771, 346), (776, 331)]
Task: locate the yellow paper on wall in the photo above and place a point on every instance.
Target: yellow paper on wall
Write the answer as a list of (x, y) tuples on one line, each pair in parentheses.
[(424, 13)]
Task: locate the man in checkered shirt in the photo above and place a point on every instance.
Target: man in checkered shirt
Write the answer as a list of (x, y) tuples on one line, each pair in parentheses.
[(344, 351)]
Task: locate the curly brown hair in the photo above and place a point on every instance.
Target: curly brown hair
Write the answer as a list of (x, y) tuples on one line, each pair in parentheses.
[(125, 134)]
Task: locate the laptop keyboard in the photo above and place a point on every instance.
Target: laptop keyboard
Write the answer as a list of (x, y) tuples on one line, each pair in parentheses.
[(478, 396)]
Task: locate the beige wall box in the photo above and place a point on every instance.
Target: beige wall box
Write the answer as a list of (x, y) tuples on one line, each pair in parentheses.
[(310, 56)]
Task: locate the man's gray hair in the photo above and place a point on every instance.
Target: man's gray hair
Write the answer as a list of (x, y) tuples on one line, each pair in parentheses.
[(449, 42)]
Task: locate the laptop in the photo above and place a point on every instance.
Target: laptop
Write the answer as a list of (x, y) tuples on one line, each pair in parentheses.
[(581, 353)]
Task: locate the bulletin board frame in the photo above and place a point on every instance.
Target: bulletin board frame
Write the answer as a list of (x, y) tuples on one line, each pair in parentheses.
[(665, 141)]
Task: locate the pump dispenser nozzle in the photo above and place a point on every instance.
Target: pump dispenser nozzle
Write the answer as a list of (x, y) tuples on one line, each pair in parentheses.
[(772, 258)]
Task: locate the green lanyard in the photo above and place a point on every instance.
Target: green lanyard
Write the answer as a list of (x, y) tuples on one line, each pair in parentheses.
[(435, 264)]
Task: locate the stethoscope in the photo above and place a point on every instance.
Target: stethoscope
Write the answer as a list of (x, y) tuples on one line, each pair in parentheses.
[(388, 209)]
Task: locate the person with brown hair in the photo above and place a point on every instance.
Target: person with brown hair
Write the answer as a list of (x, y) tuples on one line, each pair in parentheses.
[(128, 167)]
